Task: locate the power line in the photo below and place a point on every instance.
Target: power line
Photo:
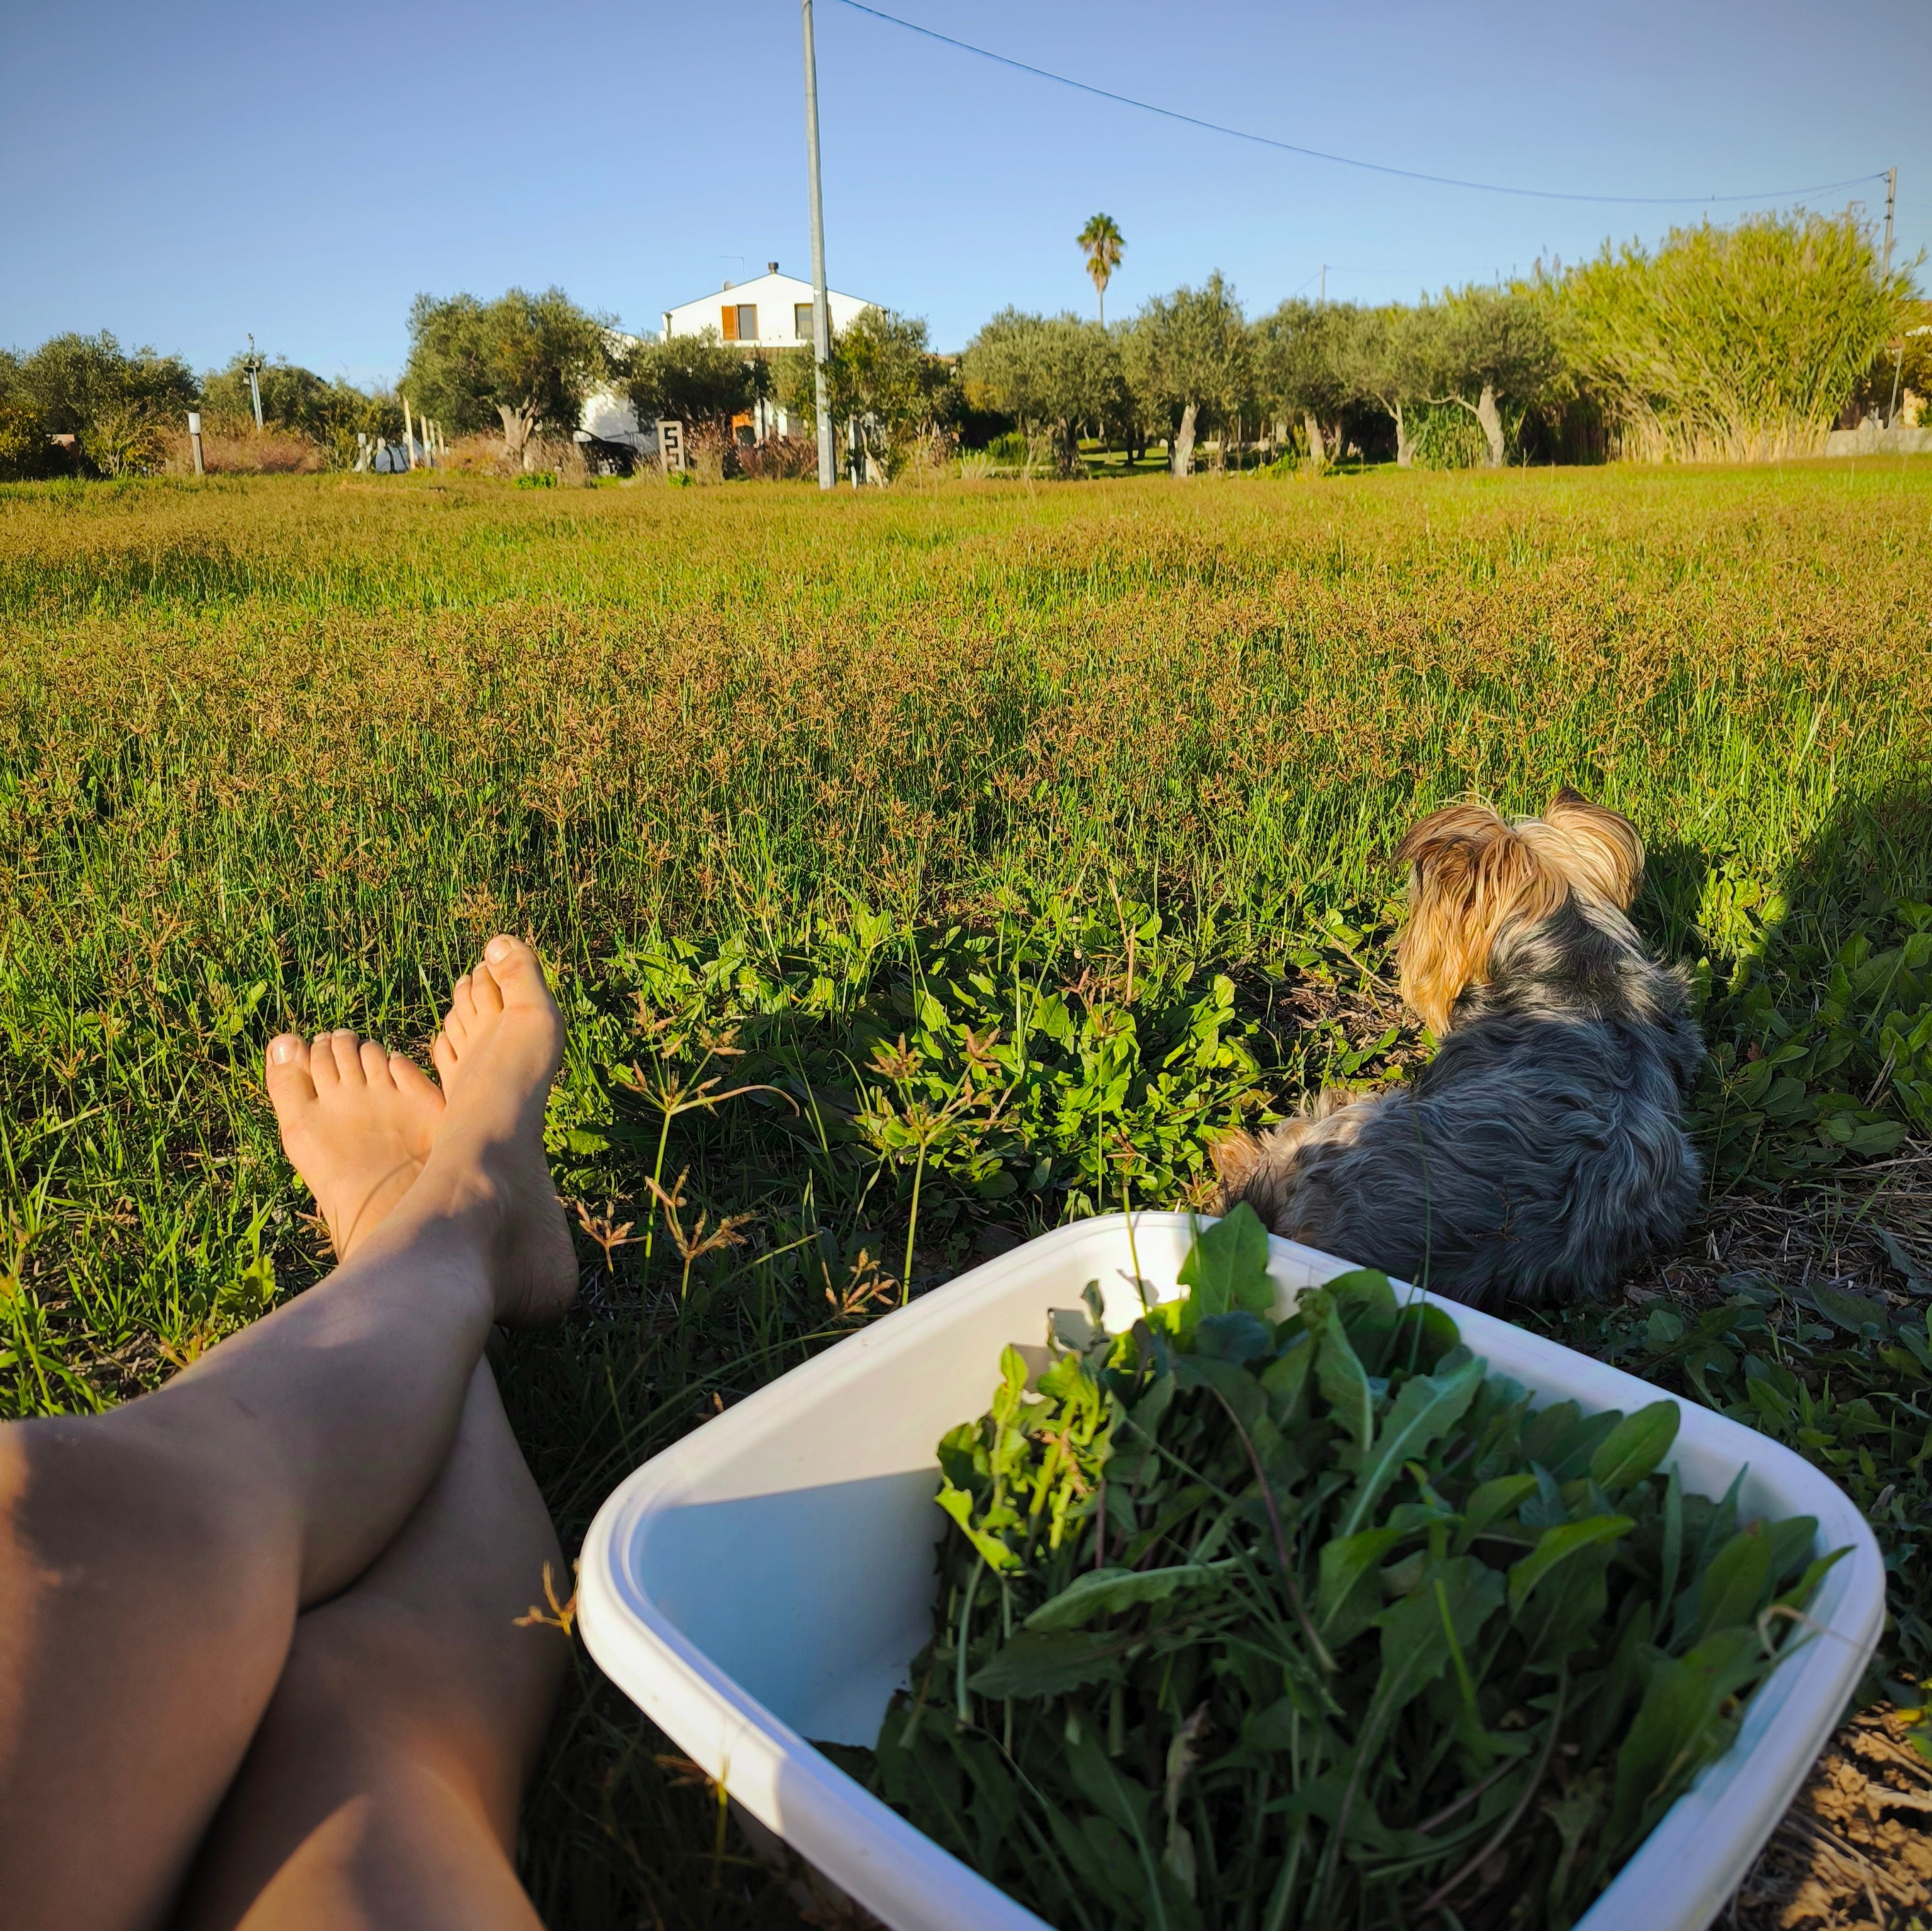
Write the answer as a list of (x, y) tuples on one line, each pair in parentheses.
[(1350, 160)]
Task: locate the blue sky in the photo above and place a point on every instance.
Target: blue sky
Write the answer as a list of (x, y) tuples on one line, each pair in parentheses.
[(184, 174)]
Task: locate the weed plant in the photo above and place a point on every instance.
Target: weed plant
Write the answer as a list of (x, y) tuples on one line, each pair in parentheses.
[(918, 870)]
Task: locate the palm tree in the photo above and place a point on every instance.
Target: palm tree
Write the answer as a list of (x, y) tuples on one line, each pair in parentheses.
[(1100, 242)]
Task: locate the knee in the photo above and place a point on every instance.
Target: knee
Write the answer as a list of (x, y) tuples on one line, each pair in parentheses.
[(105, 1503)]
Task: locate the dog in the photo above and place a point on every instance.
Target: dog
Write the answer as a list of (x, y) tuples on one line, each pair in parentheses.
[(1541, 1152)]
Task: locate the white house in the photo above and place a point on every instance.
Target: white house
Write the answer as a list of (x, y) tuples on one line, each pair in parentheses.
[(774, 311)]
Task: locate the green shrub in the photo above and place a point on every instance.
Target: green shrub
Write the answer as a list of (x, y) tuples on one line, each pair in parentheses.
[(1731, 344), (26, 453)]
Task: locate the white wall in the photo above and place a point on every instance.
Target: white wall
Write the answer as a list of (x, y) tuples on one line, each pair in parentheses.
[(776, 297)]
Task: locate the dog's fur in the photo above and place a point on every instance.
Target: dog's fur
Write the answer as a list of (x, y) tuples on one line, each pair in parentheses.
[(1541, 1152)]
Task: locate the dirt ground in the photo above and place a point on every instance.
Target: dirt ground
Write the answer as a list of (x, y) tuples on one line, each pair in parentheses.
[(1855, 1849)]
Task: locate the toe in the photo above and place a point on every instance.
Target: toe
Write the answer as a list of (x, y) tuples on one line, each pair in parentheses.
[(443, 1053), (289, 1086), (413, 1083), (514, 970), (375, 1064), (462, 1016), (322, 1066), (486, 993), (347, 1049)]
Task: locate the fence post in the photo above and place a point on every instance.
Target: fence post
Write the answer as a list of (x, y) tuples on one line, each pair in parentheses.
[(194, 440), (408, 435)]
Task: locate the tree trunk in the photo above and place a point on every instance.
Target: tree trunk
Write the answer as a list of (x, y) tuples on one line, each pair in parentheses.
[(519, 422), (1182, 444), (1491, 419), (1405, 443), (1318, 447)]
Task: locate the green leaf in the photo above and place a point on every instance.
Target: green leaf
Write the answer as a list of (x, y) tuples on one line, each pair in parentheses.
[(958, 1504), (1348, 1595), (1496, 1498), (1038, 1662), (1869, 1139), (1285, 1380), (1227, 1268), (1733, 1588), (1106, 1592), (1852, 1312), (1340, 1374), (1427, 1406), (1415, 1637), (1365, 1300), (1675, 1732), (1235, 1386), (1012, 1390), (1555, 1545), (1635, 1446)]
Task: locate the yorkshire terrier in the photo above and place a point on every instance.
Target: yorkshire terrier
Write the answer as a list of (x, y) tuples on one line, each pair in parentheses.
[(1541, 1152)]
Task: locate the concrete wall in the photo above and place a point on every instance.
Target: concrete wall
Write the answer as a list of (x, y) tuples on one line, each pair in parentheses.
[(1868, 440)]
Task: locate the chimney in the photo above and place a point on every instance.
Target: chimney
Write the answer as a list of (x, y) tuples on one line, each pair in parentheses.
[(771, 268)]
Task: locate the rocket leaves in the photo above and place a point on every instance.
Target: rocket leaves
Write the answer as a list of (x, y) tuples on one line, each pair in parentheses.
[(1304, 1621)]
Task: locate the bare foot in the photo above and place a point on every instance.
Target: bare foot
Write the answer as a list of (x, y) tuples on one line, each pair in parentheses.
[(357, 1124), (501, 1043)]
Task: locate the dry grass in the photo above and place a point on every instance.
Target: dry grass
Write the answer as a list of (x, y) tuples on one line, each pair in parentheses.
[(244, 452)]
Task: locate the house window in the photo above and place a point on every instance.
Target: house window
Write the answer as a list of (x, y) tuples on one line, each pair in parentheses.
[(801, 320), (741, 321)]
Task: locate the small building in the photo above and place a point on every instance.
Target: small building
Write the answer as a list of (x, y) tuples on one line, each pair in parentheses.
[(773, 312)]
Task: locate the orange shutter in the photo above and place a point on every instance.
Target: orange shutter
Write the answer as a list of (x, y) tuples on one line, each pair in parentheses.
[(730, 314)]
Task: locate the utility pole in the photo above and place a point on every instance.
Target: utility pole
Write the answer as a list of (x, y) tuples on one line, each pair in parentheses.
[(821, 301), (253, 365), (1322, 299), (1891, 196)]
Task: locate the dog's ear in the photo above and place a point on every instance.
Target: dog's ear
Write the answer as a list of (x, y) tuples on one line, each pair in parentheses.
[(1596, 849), (1235, 1155), (1470, 875)]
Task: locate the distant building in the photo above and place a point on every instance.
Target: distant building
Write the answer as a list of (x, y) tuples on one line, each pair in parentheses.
[(773, 312)]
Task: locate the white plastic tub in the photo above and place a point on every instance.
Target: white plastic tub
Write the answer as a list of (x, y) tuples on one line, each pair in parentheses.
[(769, 1579)]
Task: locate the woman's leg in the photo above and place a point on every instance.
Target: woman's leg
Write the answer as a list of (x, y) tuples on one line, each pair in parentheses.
[(153, 1561), (380, 1793)]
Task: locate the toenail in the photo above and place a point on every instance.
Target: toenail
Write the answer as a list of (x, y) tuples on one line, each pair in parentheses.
[(282, 1051), (497, 949)]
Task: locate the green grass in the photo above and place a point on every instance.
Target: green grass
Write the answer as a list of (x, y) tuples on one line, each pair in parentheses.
[(1017, 837)]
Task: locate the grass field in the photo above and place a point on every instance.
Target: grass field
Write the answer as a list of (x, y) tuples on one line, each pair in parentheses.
[(1000, 843)]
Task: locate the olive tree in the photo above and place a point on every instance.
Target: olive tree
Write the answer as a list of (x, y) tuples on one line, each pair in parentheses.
[(292, 397), (528, 360), (1188, 362), (885, 388), (1058, 373), (1311, 360), (114, 400), (1483, 348), (692, 379), (1385, 361)]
